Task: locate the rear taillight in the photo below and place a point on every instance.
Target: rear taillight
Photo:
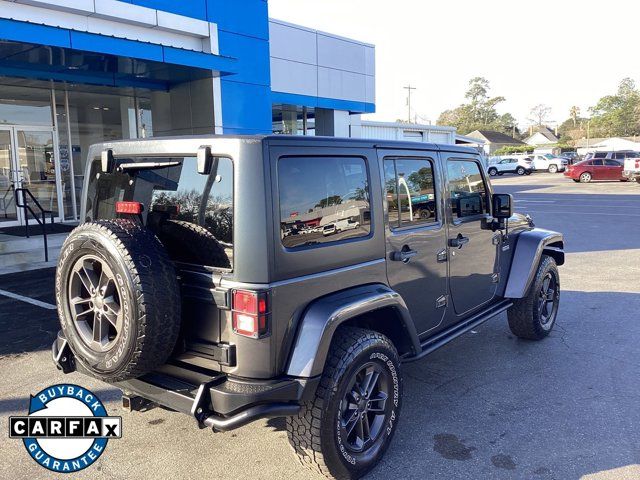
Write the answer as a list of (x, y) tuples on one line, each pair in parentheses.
[(134, 208), (250, 313), (637, 163)]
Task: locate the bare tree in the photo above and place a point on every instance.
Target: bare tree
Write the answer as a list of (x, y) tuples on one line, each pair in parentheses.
[(574, 113), (539, 114)]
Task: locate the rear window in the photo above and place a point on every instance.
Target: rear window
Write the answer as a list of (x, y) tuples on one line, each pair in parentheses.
[(177, 192), (323, 200)]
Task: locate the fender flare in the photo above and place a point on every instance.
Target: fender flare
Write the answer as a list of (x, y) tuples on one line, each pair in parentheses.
[(321, 319), (530, 247)]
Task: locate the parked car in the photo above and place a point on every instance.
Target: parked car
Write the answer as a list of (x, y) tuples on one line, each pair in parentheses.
[(595, 169), (572, 157), (329, 229), (311, 329), (631, 169), (611, 155), (548, 162), (521, 166)]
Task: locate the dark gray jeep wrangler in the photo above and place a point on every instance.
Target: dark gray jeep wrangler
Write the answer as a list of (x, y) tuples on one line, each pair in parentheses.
[(238, 278)]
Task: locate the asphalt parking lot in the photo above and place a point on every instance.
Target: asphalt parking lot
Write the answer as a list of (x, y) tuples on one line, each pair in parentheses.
[(486, 406)]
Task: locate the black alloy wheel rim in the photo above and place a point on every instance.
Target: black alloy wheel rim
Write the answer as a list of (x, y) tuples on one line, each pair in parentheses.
[(548, 300), (94, 303), (366, 407)]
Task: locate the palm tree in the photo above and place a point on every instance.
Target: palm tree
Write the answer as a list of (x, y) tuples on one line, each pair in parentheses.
[(574, 113)]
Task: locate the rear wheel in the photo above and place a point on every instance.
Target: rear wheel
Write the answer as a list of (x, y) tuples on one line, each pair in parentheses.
[(520, 171), (585, 177), (533, 316), (345, 430), (553, 168), (493, 171)]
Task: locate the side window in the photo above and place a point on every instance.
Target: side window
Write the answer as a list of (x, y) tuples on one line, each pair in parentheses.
[(410, 190), (619, 155), (467, 190), (597, 163), (600, 155), (323, 200), (611, 163)]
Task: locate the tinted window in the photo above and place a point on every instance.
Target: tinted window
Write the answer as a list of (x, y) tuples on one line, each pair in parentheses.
[(468, 194), (597, 163), (612, 163), (323, 199), (175, 192), (619, 155), (600, 155), (410, 192)]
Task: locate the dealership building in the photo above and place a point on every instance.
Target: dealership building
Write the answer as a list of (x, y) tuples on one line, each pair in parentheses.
[(77, 72)]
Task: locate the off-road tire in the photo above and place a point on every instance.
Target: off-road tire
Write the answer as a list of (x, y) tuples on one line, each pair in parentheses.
[(524, 316), (191, 243), (492, 172), (148, 288), (314, 432)]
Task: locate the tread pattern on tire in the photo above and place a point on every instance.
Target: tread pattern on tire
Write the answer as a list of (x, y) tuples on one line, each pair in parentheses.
[(522, 321), (304, 429), (192, 243), (156, 290)]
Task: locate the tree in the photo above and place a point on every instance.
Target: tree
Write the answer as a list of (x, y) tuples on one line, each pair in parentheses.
[(480, 112), (619, 114), (574, 114), (539, 114)]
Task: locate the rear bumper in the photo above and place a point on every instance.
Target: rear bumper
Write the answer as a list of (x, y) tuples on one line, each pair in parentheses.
[(214, 400)]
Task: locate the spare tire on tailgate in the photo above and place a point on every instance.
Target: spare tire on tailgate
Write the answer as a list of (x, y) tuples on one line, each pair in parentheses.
[(118, 299), (191, 243)]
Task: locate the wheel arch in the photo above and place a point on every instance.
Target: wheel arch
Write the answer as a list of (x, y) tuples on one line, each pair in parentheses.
[(374, 306), (530, 247)]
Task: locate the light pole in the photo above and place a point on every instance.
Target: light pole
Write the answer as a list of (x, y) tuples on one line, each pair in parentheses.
[(408, 88)]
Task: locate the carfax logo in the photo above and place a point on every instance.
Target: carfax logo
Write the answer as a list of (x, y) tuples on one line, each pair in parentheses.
[(67, 428)]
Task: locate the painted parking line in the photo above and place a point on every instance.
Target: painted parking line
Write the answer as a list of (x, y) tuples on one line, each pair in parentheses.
[(536, 201), (586, 213), (32, 301)]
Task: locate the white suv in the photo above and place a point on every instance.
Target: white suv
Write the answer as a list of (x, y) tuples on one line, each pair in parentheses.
[(510, 165), (548, 162)]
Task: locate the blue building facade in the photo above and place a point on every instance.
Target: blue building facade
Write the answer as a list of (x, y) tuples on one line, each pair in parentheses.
[(76, 72)]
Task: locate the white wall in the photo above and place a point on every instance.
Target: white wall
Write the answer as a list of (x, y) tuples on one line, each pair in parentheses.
[(402, 131), (317, 64)]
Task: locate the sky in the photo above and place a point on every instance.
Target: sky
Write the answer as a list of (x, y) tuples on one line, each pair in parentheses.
[(559, 53)]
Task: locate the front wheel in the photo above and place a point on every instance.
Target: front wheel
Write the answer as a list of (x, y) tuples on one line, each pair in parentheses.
[(585, 177), (493, 172), (533, 316), (520, 171), (345, 429)]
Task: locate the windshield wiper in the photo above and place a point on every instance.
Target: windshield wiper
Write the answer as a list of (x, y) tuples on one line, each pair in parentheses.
[(147, 165)]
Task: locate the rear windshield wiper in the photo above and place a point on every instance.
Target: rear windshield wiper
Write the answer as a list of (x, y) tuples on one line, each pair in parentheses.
[(147, 165)]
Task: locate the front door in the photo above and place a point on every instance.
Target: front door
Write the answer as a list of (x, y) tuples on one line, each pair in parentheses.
[(473, 248), (416, 235), (29, 160)]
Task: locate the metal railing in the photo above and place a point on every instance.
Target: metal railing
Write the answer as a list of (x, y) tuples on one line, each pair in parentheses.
[(42, 220)]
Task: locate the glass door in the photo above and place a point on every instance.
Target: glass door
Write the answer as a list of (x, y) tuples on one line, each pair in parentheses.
[(8, 212), (38, 168), (28, 159)]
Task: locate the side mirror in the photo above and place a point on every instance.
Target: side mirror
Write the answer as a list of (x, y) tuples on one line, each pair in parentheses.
[(502, 205)]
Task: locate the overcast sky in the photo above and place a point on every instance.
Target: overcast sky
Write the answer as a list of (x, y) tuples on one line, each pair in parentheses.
[(560, 53)]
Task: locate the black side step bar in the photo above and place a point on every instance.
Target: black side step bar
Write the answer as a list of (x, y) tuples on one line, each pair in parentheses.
[(453, 332)]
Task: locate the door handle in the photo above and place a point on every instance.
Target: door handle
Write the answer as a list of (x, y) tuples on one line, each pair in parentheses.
[(459, 241), (403, 255)]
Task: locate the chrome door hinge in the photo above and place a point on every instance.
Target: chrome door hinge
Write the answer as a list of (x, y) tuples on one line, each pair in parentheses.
[(442, 301), (442, 255)]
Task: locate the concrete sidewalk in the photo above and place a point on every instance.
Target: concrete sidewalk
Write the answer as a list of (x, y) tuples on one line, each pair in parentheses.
[(19, 254)]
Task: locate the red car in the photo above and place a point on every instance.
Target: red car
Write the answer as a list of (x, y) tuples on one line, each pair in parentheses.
[(595, 169)]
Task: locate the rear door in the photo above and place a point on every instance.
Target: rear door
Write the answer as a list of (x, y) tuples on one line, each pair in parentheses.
[(613, 169), (416, 234), (473, 248)]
